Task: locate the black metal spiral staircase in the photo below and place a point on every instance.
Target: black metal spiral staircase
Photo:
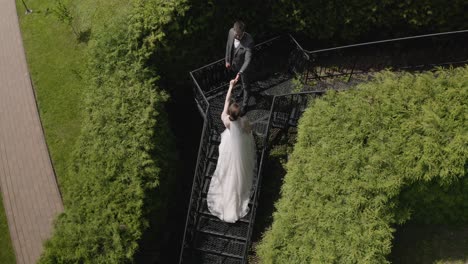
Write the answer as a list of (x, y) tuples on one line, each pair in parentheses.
[(279, 64)]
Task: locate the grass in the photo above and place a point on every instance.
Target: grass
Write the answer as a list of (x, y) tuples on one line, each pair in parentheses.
[(440, 244), (7, 256), (56, 60)]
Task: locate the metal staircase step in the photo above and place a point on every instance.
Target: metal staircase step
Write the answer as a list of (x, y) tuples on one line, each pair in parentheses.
[(219, 245), (208, 258), (213, 152), (217, 227), (210, 168), (279, 119), (215, 138), (206, 185)]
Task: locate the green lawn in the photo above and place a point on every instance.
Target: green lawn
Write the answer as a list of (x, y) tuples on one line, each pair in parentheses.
[(7, 256), (438, 244), (56, 61)]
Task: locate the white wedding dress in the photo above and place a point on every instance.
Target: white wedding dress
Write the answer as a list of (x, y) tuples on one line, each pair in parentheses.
[(231, 184)]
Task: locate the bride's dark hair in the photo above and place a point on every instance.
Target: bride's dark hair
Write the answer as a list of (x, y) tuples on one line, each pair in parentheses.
[(233, 111)]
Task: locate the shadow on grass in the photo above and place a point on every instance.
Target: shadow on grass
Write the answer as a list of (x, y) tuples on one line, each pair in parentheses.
[(430, 244)]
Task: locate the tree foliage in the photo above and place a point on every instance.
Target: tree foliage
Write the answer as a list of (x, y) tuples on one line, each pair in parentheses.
[(339, 21), (124, 151), (199, 37), (367, 159)]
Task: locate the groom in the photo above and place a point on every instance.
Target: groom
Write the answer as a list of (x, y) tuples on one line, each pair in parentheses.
[(239, 49)]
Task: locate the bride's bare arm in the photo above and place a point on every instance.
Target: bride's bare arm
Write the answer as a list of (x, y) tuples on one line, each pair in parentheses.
[(224, 114)]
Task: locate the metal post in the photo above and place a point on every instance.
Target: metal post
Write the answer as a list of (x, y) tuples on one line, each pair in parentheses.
[(28, 11)]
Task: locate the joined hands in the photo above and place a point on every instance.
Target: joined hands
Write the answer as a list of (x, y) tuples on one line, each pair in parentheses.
[(233, 82)]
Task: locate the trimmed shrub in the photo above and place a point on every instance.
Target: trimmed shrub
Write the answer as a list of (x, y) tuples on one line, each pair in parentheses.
[(124, 151), (202, 32), (370, 158), (347, 21)]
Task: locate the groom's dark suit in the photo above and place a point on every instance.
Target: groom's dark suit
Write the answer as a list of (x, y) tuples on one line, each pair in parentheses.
[(240, 59)]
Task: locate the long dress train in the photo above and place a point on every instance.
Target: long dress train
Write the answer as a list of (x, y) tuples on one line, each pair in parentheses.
[(231, 184)]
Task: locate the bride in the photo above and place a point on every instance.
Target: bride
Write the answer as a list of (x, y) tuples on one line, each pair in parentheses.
[(229, 192)]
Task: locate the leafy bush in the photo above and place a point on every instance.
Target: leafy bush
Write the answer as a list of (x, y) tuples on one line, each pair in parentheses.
[(367, 159), (204, 28), (350, 20), (124, 151)]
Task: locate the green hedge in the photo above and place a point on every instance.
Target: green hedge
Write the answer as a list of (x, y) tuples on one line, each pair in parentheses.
[(124, 151), (202, 32), (350, 20), (370, 158), (199, 37)]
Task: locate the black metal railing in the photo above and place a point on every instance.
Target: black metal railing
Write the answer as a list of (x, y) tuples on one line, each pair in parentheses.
[(410, 54), (200, 98), (285, 54), (197, 184), (284, 113), (279, 54), (274, 55)]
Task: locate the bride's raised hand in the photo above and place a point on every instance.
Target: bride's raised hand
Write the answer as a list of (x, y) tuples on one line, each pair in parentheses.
[(232, 82)]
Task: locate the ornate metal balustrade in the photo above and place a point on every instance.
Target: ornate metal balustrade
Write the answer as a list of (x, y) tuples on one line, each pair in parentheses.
[(278, 55), (410, 54), (208, 240), (284, 113)]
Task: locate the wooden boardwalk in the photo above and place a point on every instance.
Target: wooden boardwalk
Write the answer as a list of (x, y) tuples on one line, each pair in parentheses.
[(27, 181)]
